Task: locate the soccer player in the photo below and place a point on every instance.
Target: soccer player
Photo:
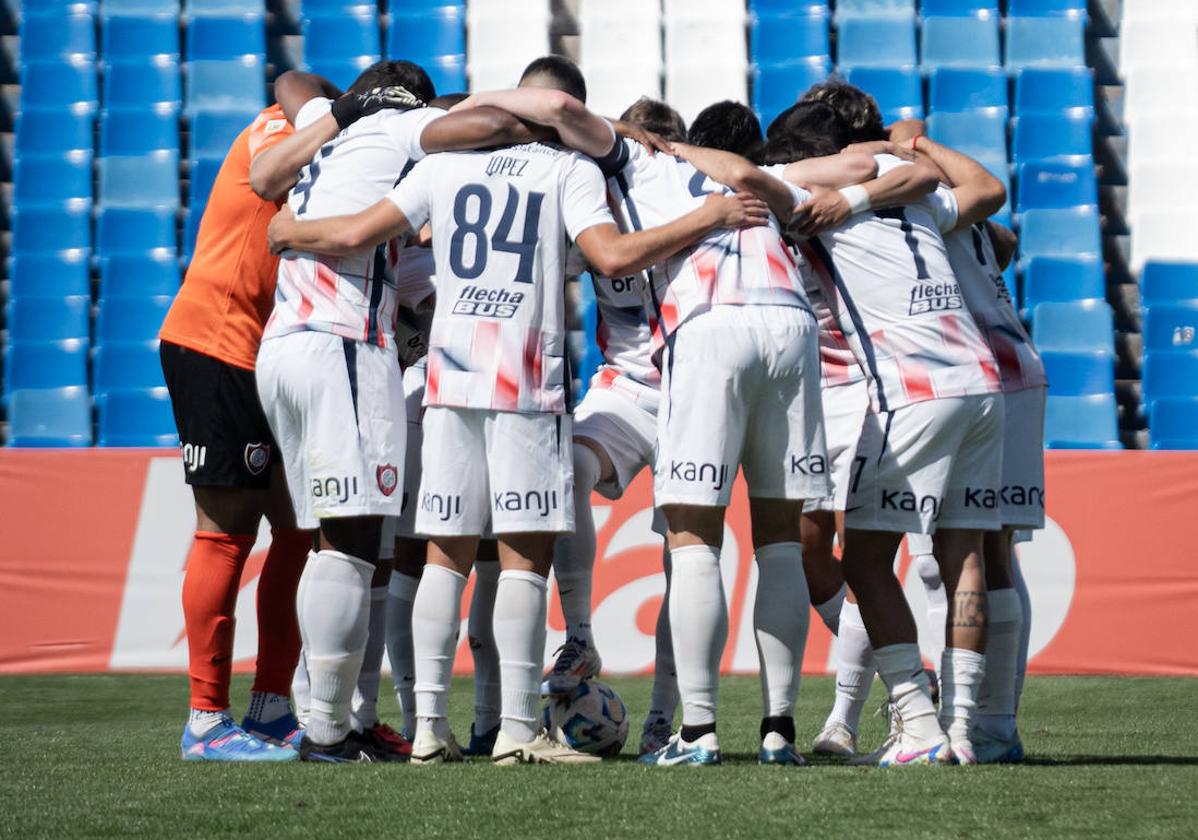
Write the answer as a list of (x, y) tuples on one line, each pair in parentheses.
[(495, 398), (209, 345)]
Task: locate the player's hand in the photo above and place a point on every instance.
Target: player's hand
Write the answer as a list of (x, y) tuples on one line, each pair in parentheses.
[(738, 210), (652, 142), (825, 209), (276, 234), (351, 107), (424, 238)]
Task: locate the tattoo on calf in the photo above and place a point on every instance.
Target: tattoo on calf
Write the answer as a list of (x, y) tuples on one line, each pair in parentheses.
[(969, 609)]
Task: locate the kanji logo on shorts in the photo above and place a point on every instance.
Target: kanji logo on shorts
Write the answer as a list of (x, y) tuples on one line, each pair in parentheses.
[(540, 502), (908, 501), (388, 478), (194, 456), (808, 465), (257, 456), (717, 475)]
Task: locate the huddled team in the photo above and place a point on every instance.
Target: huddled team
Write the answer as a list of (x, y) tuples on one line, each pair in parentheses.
[(821, 309)]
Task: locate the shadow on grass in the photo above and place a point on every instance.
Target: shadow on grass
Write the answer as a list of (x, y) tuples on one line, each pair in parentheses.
[(1113, 760)]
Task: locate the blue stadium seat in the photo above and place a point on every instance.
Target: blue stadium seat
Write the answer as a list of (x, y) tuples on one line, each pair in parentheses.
[(135, 230), (197, 8), (777, 87), (960, 42), (328, 8), (1060, 233), (1053, 90), (130, 319), (150, 180), (50, 417), (1062, 279), (1047, 8), (966, 89), (1044, 42), (781, 38), (32, 319), (58, 86), (53, 37), (876, 42), (1056, 185), (49, 132), (137, 418), (114, 8), (123, 367), (45, 364), (1171, 327), (203, 174), (238, 84), (437, 30), (133, 275), (52, 179), (153, 83), (874, 8), (331, 38), (1089, 422), (213, 38), (48, 230), (136, 37), (213, 132), (1079, 374), (447, 72), (1063, 138), (342, 72), (407, 6), (898, 90), (1173, 423), (958, 8), (979, 134), (1082, 325), (1166, 282), (129, 131), (1170, 373), (52, 275)]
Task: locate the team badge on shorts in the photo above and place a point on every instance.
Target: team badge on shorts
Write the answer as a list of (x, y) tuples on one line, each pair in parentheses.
[(257, 456), (388, 478)]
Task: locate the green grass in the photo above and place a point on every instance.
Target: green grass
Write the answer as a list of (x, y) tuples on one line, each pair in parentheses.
[(97, 756)]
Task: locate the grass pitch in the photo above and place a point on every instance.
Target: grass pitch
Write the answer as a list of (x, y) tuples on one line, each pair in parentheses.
[(98, 756)]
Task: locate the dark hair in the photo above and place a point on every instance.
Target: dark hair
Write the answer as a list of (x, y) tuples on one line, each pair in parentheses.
[(387, 73), (729, 126), (808, 129), (858, 108), (562, 73), (448, 100), (658, 117)]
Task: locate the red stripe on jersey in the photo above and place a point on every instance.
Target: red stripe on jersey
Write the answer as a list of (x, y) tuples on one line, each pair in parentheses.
[(601, 335), (1007, 354), (962, 341), (326, 280), (432, 387), (916, 383), (607, 376), (706, 266)]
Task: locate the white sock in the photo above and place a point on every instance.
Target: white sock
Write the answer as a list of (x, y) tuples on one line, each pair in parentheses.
[(365, 707), (1025, 634), (334, 616), (961, 672), (401, 596), (996, 697), (664, 701), (781, 613), (202, 721), (829, 610), (436, 618), (929, 573), (267, 707), (901, 668), (854, 669), (699, 624), (574, 557), (482, 647), (301, 689), (520, 604)]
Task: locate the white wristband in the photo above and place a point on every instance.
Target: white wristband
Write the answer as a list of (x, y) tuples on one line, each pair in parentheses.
[(857, 197)]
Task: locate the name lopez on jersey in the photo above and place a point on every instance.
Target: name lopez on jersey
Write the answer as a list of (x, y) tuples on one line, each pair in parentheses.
[(487, 303)]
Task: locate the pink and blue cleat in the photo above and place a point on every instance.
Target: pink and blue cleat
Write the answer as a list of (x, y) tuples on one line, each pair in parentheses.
[(229, 742)]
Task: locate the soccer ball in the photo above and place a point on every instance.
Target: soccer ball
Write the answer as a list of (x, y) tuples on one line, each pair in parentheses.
[(592, 719)]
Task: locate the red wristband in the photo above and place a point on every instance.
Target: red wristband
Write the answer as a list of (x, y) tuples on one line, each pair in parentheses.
[(915, 140)]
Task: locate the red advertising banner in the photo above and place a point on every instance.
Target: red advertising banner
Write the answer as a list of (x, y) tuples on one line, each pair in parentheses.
[(93, 546)]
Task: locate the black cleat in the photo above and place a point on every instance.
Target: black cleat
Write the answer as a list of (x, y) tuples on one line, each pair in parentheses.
[(353, 750)]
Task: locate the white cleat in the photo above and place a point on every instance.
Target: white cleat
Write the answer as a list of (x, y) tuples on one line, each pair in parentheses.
[(429, 749), (540, 750), (835, 739), (961, 742), (576, 662), (909, 751), (655, 735)]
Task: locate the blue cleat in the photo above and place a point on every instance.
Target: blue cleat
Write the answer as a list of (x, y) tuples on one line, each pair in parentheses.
[(775, 749), (483, 744), (700, 753), (989, 749), (285, 731), (229, 742)]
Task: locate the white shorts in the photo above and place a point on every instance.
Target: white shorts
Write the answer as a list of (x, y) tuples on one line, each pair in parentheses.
[(928, 465), (334, 405), (741, 387), (413, 390), (513, 471), (620, 415), (844, 411), (1021, 503)]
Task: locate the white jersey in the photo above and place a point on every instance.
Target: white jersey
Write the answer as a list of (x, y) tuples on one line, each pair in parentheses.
[(353, 296), (971, 255), (751, 266), (502, 221), (623, 332), (887, 280)]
